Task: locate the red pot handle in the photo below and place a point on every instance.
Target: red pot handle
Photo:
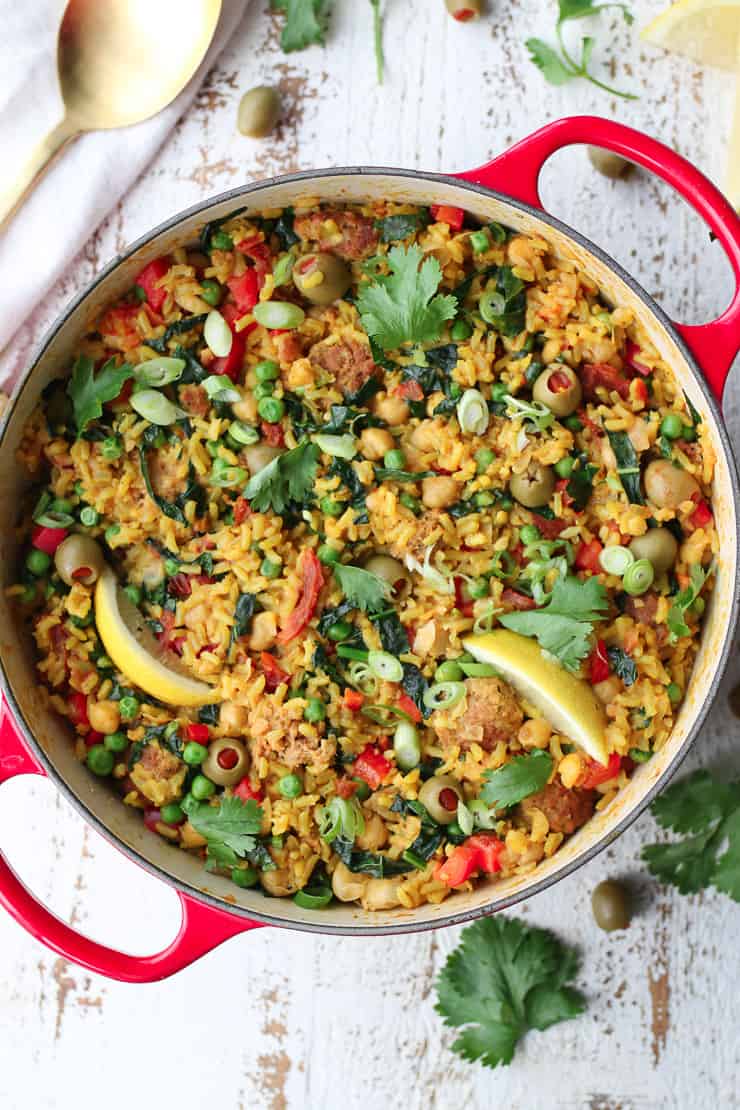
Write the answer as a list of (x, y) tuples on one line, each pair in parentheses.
[(517, 172), (202, 929)]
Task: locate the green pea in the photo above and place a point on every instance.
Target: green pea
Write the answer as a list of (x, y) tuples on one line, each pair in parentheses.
[(89, 516), (327, 554), (194, 753), (483, 499), (133, 593), (129, 707), (242, 435), (478, 588), (638, 755), (671, 426), (499, 391), (339, 631), (111, 447), (479, 242), (111, 531), (220, 241), (675, 693), (448, 671), (290, 786), (271, 409), (266, 371), (394, 460), (315, 710), (211, 292), (29, 594), (483, 459), (100, 760), (244, 877), (330, 507), (573, 424), (460, 331), (530, 533), (362, 793), (688, 433), (116, 741), (410, 502), (202, 788), (270, 569), (38, 562), (564, 467), (264, 389), (172, 814)]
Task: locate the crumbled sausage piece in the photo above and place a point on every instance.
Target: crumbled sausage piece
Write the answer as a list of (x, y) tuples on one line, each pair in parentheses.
[(159, 775), (280, 733), (342, 232), (194, 399), (492, 713), (565, 810), (350, 363)]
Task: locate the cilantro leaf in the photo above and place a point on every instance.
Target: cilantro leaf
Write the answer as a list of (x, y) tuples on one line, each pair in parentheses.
[(362, 588), (521, 776), (559, 68), (628, 466), (401, 307), (503, 979), (305, 22), (289, 477), (230, 827), (564, 625), (549, 61), (676, 619), (89, 391)]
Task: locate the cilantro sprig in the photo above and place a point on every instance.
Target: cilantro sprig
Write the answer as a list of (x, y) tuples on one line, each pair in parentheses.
[(305, 22), (362, 588), (563, 626), (517, 779), (89, 391), (289, 477), (504, 979), (676, 619), (230, 828), (404, 306), (559, 68)]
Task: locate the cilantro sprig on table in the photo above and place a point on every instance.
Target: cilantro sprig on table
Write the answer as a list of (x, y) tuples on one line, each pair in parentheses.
[(230, 828), (564, 625), (289, 477), (504, 979), (89, 391), (521, 776), (559, 68), (706, 813), (404, 306), (305, 22)]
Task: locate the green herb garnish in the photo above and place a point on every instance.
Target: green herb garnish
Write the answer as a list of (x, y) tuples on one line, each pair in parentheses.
[(305, 22), (230, 828), (289, 477), (559, 68), (563, 626), (362, 588), (404, 306), (521, 776), (89, 391)]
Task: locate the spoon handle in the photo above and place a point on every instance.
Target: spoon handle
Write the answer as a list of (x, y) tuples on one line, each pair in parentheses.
[(12, 196)]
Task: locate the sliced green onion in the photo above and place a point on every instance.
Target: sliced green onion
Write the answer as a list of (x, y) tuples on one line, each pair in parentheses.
[(472, 412), (443, 695), (341, 817), (362, 677), (406, 745), (225, 476), (484, 817), (478, 670), (385, 666), (503, 565), (42, 504), (340, 447), (159, 371), (415, 860), (54, 520), (218, 334), (464, 818), (346, 651), (616, 560), (383, 714), (313, 898), (282, 269), (220, 388), (155, 407), (278, 314), (638, 577), (484, 621), (439, 580), (243, 433)]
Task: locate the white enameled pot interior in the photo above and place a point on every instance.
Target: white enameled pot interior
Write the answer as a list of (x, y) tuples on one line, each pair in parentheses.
[(125, 824)]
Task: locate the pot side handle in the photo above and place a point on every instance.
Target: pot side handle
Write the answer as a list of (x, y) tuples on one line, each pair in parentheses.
[(202, 929), (516, 173)]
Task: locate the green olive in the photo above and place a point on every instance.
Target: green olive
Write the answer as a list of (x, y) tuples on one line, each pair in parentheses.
[(322, 278), (534, 487), (436, 795), (667, 486), (387, 568), (611, 906), (79, 559), (559, 389), (463, 10), (258, 455), (259, 111), (659, 546), (227, 762), (606, 163)]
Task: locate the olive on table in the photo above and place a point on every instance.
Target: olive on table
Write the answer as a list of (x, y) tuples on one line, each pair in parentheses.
[(259, 111), (534, 487), (439, 795), (667, 486), (607, 163), (389, 569), (559, 389), (322, 278), (611, 906), (464, 10), (659, 546), (227, 762), (79, 559), (259, 455)]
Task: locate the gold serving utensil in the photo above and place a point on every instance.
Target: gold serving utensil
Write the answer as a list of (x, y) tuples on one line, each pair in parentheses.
[(119, 62)]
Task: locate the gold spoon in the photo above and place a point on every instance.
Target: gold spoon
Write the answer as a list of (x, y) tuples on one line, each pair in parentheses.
[(119, 62)]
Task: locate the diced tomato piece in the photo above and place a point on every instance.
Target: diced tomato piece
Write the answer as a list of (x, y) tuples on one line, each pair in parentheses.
[(462, 600), (273, 434), (148, 279), (77, 702), (47, 539), (598, 664), (231, 364), (261, 255), (594, 374), (550, 529), (247, 793), (410, 391), (179, 585), (197, 732), (372, 766), (596, 773), (93, 737), (346, 787), (459, 866), (701, 515), (353, 700), (408, 705), (313, 583), (631, 353), (489, 848), (274, 674), (241, 510), (512, 599), (448, 214), (639, 391), (587, 556), (245, 290)]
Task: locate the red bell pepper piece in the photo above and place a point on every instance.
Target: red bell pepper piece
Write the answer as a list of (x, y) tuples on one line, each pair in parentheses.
[(596, 773), (241, 510), (231, 364), (346, 787), (353, 700), (199, 733), (372, 766), (639, 391), (701, 515), (410, 391), (490, 849), (274, 674), (247, 793), (448, 214), (93, 737), (313, 583), (587, 556), (481, 852), (550, 529), (78, 708), (148, 279), (47, 539), (462, 601), (595, 374), (245, 290), (260, 253), (512, 599), (598, 664), (631, 352), (408, 705)]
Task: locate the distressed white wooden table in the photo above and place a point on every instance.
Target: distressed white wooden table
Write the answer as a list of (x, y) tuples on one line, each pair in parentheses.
[(278, 1020)]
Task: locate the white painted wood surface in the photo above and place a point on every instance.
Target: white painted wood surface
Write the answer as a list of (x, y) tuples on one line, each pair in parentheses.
[(277, 1020)]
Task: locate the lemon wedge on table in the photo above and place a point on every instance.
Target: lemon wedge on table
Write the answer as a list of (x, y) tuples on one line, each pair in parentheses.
[(134, 651), (568, 703)]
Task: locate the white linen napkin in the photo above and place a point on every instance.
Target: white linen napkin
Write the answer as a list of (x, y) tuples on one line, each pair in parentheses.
[(90, 176)]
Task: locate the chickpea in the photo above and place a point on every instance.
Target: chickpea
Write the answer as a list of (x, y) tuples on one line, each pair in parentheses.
[(375, 835), (347, 885), (393, 410), (667, 486), (277, 883), (520, 251), (439, 492), (232, 717), (425, 436), (104, 716), (607, 163), (263, 631), (535, 733), (570, 769), (608, 690), (388, 568), (374, 442), (381, 894), (246, 409)]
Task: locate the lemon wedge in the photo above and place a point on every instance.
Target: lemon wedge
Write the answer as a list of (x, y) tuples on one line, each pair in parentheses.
[(134, 650), (568, 703)]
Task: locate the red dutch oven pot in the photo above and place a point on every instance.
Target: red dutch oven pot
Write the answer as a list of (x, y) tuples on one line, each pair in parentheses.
[(33, 741)]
